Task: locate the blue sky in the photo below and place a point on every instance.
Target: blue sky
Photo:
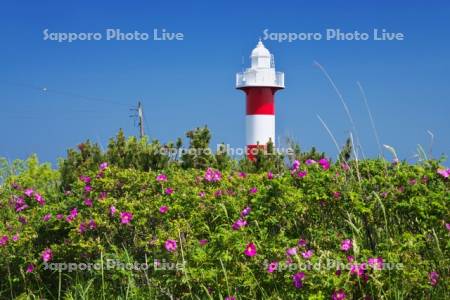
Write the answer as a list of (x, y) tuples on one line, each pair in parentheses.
[(189, 83)]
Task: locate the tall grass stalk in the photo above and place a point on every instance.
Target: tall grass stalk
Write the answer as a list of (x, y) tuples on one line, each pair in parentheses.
[(384, 213), (386, 227), (10, 283), (423, 158), (431, 143), (352, 225), (207, 291), (437, 242), (184, 263), (355, 154), (103, 275), (330, 134), (392, 150), (59, 284), (344, 104), (333, 139), (372, 122), (263, 292), (226, 277), (146, 276)]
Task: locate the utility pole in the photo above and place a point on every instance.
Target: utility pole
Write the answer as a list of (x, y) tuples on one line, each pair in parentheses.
[(139, 113), (141, 119)]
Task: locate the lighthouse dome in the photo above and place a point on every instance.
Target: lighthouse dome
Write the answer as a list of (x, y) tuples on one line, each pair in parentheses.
[(262, 71), (260, 50)]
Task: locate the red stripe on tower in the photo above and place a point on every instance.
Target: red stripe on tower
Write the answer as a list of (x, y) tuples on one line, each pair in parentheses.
[(260, 83), (260, 101)]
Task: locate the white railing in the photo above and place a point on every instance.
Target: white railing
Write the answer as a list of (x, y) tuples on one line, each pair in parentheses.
[(242, 80), (279, 79)]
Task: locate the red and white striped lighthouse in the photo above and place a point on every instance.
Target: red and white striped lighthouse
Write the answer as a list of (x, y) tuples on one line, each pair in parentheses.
[(260, 83)]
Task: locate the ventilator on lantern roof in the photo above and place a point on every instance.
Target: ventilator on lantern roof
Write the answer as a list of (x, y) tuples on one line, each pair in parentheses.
[(260, 57)]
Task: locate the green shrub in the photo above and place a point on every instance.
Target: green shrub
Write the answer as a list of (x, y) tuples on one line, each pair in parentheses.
[(397, 212)]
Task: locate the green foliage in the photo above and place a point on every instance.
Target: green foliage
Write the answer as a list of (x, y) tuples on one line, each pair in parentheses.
[(396, 212), (7, 169), (86, 157), (297, 153), (121, 152), (266, 159), (346, 151), (198, 155), (222, 160)]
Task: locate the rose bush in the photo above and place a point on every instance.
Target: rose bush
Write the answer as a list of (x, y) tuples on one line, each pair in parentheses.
[(274, 234)]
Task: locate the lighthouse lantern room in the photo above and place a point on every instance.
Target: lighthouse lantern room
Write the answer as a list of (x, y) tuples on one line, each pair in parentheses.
[(260, 82)]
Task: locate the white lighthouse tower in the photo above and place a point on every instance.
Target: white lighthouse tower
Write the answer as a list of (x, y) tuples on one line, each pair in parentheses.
[(260, 83)]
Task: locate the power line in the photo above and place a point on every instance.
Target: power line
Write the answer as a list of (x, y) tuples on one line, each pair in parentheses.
[(64, 93), (139, 111)]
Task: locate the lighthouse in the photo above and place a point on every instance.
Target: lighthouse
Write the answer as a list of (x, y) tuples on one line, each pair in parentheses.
[(260, 82)]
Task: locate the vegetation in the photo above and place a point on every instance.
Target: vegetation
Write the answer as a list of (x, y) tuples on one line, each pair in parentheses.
[(211, 227)]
